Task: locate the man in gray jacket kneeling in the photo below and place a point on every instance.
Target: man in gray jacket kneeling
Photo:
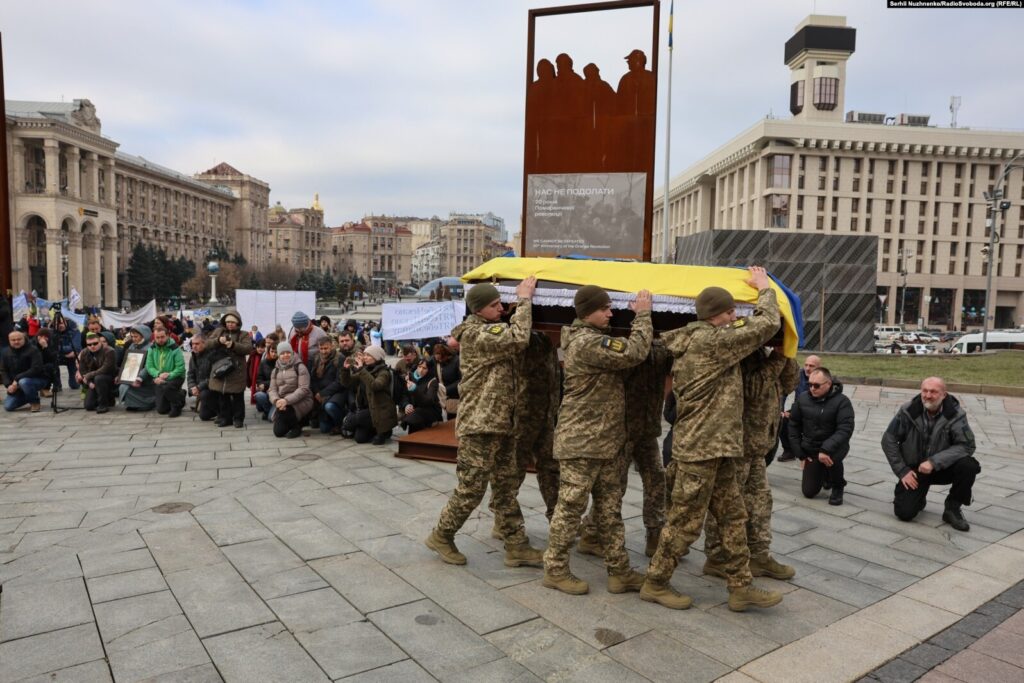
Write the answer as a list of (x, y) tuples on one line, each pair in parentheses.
[(929, 442)]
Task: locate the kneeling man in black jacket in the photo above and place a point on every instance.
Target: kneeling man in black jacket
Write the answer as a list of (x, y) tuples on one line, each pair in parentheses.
[(821, 423), (929, 442)]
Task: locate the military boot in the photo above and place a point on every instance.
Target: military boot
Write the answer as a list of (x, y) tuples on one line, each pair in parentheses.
[(567, 583), (523, 555), (445, 548), (631, 580), (588, 545), (665, 595), (768, 566), (751, 596), (653, 534), (712, 568), (496, 531)]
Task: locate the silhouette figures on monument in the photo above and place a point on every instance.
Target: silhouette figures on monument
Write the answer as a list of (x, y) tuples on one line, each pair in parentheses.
[(580, 124)]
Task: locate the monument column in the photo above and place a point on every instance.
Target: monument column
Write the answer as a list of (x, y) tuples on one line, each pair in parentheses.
[(18, 171), (91, 270), (54, 274), (74, 262), (74, 157), (110, 271), (51, 151)]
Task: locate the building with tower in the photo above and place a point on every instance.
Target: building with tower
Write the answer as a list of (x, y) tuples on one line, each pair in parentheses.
[(919, 188), (298, 237)]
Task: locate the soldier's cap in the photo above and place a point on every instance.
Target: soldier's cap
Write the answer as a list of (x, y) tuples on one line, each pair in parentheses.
[(636, 53), (590, 298), (481, 295), (712, 301)]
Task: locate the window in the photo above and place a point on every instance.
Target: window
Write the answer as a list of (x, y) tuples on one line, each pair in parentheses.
[(780, 165), (800, 203), (853, 224), (888, 206), (821, 203), (835, 184), (856, 165), (889, 185), (826, 93), (835, 223), (822, 164), (855, 205), (820, 225), (925, 168), (888, 225), (956, 211), (835, 204), (821, 182), (959, 171), (924, 187), (856, 184)]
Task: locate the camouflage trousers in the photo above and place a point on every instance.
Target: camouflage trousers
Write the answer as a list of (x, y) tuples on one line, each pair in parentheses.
[(699, 487), (646, 455), (579, 478), (485, 458), (752, 477), (535, 448)]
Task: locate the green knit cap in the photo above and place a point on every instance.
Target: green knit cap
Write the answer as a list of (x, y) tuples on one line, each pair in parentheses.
[(712, 301), (481, 295), (590, 298)]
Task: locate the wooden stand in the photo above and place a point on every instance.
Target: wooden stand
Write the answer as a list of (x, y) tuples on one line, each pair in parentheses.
[(437, 443)]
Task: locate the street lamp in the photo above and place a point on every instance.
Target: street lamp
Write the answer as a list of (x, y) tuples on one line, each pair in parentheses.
[(996, 203), (903, 256)]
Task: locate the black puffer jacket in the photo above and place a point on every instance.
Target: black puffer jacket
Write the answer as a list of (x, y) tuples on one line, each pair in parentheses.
[(906, 445), (199, 365), (821, 425)]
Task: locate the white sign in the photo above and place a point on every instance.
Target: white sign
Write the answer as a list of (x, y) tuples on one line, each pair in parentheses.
[(267, 308), (143, 316), (422, 320)]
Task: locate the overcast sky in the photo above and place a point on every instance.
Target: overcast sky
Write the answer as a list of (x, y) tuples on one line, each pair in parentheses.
[(415, 107)]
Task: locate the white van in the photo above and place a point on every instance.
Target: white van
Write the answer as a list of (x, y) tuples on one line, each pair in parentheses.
[(888, 331), (998, 339)]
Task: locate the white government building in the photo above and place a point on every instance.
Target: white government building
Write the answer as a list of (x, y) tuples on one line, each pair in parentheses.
[(918, 187)]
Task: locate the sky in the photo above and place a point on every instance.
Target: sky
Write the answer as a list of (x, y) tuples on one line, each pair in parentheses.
[(415, 107)]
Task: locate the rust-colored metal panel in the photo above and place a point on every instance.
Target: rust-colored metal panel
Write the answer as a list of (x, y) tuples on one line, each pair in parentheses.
[(577, 123)]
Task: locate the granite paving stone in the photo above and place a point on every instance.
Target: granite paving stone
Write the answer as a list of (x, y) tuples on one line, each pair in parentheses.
[(272, 569), (264, 652), (41, 607), (216, 599), (661, 658), (125, 584), (406, 671), (364, 582), (90, 672), (51, 651)]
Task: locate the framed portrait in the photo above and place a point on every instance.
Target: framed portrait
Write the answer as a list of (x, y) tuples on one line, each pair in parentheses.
[(134, 361)]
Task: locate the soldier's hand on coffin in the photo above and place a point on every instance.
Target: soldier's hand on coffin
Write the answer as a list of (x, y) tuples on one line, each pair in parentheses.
[(525, 289), (642, 301), (758, 278)]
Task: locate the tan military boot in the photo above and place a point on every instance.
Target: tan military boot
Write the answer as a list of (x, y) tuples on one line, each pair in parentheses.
[(590, 546), (523, 556), (567, 583), (768, 566), (665, 595), (712, 568), (653, 534), (631, 580), (751, 596), (445, 548), (496, 531)]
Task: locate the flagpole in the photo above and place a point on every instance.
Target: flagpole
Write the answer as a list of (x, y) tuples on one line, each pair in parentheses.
[(668, 138)]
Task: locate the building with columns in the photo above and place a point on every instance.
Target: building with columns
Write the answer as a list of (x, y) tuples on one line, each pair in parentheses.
[(248, 220), (297, 237), (80, 205), (377, 249), (917, 186)]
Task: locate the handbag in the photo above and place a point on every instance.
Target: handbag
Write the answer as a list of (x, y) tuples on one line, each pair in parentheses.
[(222, 368), (449, 405)]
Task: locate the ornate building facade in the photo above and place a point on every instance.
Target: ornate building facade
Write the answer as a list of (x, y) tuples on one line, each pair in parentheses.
[(297, 236), (79, 206), (375, 249)]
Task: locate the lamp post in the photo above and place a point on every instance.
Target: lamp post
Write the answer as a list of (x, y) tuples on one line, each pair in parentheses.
[(996, 203), (64, 264), (213, 268), (903, 256)]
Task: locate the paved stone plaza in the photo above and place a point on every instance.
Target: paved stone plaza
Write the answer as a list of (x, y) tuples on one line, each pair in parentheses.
[(138, 547)]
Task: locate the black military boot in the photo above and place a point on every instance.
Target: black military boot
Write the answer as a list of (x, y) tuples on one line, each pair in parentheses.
[(954, 516)]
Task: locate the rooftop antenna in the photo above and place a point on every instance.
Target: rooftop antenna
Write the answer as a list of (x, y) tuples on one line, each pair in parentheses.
[(954, 107)]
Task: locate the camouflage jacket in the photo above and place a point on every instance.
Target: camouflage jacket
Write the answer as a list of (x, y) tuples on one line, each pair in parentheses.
[(708, 383), (645, 393), (766, 379), (489, 353), (538, 387), (592, 418)]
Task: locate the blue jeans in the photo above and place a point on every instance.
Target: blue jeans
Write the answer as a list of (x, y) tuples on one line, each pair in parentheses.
[(29, 393), (263, 405), (331, 417)]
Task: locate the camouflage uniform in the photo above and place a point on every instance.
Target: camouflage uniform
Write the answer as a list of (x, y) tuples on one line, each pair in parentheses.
[(487, 390), (538, 388), (590, 436), (766, 379), (645, 396), (707, 441)]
